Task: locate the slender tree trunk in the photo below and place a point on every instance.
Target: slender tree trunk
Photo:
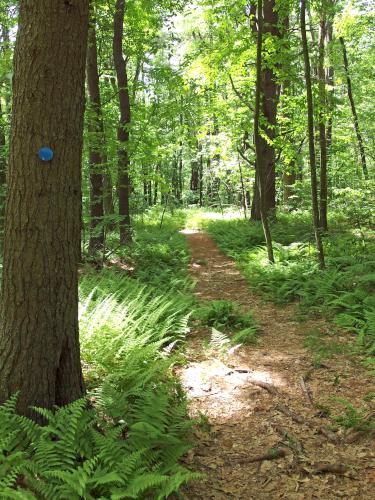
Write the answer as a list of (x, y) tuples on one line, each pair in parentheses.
[(180, 160), (289, 179), (97, 157), (323, 221), (243, 190), (39, 344), (262, 164), (330, 83), (201, 180), (156, 183), (108, 204), (354, 111), (310, 126), (180, 174), (145, 192), (194, 180), (125, 120), (175, 180), (149, 193)]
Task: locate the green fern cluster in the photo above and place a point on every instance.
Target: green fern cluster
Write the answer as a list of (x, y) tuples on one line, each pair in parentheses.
[(353, 418), (77, 455), (344, 292), (158, 255), (227, 315), (126, 439)]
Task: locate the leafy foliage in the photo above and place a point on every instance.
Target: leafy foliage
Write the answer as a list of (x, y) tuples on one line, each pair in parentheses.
[(353, 418), (78, 454), (223, 314)]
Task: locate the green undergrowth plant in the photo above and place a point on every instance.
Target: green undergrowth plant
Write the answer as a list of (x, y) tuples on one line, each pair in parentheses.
[(227, 316), (158, 256), (322, 346), (79, 454), (353, 418), (127, 438), (344, 292)]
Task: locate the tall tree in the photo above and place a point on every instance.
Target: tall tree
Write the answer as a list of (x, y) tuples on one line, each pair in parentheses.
[(39, 345), (261, 157), (354, 110), (323, 221), (270, 90), (125, 119), (310, 130), (97, 159)]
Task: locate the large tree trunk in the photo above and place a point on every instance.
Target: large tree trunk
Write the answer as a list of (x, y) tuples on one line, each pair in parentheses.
[(354, 111), (97, 157), (323, 221), (261, 158), (39, 345), (123, 129), (270, 90), (310, 129)]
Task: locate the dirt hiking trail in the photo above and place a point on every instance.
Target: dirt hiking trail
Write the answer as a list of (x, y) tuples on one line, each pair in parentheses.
[(266, 433)]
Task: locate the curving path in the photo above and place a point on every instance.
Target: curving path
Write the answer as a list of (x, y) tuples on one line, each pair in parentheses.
[(269, 401)]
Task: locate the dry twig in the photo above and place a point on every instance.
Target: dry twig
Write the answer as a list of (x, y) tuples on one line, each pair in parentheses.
[(270, 455), (306, 390), (326, 468)]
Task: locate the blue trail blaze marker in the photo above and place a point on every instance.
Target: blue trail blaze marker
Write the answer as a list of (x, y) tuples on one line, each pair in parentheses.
[(45, 154)]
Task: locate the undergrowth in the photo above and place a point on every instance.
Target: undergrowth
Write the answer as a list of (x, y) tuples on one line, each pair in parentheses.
[(126, 438), (343, 292), (227, 316)]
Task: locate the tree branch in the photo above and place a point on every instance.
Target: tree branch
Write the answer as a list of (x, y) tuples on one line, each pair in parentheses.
[(240, 95)]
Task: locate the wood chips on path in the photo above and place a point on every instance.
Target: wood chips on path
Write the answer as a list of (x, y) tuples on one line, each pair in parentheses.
[(269, 436)]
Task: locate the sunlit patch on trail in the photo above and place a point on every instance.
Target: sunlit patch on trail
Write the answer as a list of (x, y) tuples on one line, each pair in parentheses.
[(229, 390), (189, 231)]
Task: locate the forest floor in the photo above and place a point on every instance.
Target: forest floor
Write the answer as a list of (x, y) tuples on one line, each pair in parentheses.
[(265, 430)]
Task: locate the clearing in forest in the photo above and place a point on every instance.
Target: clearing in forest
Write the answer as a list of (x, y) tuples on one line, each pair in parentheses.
[(266, 411)]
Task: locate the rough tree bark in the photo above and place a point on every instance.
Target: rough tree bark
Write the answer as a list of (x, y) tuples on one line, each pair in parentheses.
[(310, 127), (261, 158), (354, 111), (39, 344), (270, 89), (123, 128), (97, 157)]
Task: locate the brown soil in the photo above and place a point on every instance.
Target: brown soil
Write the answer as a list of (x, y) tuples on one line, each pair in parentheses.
[(246, 394)]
